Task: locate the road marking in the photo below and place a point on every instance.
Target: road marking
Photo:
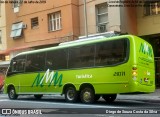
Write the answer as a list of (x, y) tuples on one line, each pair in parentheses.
[(60, 104)]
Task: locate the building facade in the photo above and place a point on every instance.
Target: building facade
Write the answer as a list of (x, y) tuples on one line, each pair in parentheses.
[(104, 15), (4, 60), (37, 25)]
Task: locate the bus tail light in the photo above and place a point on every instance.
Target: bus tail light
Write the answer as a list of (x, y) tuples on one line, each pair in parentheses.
[(134, 73)]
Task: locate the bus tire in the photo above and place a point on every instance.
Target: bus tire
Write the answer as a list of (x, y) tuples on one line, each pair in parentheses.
[(38, 96), (109, 98), (87, 95), (71, 94), (12, 93)]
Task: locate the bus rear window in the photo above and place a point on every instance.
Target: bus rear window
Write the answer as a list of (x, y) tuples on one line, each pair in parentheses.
[(111, 52)]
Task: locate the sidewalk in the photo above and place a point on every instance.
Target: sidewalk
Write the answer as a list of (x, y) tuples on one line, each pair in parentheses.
[(151, 97)]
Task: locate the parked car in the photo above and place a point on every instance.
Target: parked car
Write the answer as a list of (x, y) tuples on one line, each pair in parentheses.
[(1, 82)]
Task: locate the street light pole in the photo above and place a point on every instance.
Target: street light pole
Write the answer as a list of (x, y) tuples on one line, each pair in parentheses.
[(85, 18)]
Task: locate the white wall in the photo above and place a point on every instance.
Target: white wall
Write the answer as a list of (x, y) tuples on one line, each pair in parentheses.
[(113, 17)]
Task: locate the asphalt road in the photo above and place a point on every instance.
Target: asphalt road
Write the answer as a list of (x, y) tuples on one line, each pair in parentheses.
[(55, 105)]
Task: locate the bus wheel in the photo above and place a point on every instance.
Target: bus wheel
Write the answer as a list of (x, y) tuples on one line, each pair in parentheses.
[(12, 93), (38, 96), (109, 98), (71, 94), (87, 95)]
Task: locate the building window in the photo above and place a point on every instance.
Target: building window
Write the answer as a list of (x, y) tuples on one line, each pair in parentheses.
[(16, 4), (152, 8), (2, 57), (34, 22), (0, 37), (102, 17), (17, 30), (54, 20)]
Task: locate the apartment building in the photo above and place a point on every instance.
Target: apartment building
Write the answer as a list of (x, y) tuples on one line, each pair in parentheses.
[(106, 15), (37, 25), (3, 52)]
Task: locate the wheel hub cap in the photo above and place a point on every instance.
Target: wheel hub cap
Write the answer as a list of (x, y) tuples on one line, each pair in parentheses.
[(87, 96)]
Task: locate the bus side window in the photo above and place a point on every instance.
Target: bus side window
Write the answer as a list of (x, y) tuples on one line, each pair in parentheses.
[(17, 64), (81, 56), (56, 59), (103, 53), (35, 62)]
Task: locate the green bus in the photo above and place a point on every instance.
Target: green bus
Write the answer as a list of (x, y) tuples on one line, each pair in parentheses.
[(84, 70)]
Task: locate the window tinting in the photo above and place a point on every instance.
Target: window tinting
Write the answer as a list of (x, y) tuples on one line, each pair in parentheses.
[(81, 56), (111, 52), (35, 62), (56, 59), (18, 64)]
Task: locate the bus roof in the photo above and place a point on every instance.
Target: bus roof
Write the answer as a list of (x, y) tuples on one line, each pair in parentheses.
[(93, 37), (76, 43)]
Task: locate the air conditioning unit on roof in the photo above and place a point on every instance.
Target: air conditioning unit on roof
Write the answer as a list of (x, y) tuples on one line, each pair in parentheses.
[(102, 28)]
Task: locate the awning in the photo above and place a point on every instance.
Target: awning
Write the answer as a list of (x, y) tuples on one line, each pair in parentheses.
[(16, 30)]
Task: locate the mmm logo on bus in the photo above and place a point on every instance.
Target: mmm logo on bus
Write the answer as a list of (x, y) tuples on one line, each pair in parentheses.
[(145, 49), (50, 78)]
